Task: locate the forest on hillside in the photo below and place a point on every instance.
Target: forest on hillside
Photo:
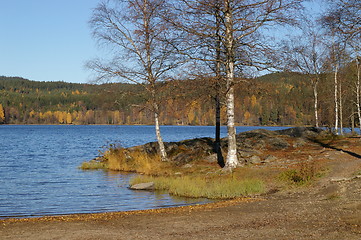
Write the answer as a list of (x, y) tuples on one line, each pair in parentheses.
[(182, 62), (273, 99)]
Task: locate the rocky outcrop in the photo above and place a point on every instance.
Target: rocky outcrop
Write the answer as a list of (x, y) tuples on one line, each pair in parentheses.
[(301, 132), (251, 146)]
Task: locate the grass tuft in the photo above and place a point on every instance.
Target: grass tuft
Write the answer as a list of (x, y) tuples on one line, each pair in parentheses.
[(116, 158), (121, 159), (93, 165)]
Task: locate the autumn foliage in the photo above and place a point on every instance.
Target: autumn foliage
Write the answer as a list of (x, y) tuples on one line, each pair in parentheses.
[(275, 99)]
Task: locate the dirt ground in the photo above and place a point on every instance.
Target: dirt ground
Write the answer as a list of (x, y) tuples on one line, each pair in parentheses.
[(329, 209)]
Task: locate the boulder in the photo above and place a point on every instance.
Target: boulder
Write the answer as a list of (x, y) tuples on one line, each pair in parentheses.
[(278, 143), (299, 143), (143, 186), (211, 158), (270, 158), (187, 165), (306, 132), (255, 160)]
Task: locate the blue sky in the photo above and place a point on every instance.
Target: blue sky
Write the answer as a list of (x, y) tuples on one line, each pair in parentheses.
[(47, 40)]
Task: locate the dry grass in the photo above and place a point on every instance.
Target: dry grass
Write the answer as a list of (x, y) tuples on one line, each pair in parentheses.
[(226, 187), (93, 165), (121, 159)]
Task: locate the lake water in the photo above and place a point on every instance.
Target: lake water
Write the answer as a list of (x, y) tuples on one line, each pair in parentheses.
[(39, 172)]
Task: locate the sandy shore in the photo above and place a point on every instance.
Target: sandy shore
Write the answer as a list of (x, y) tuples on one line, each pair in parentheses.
[(279, 216)]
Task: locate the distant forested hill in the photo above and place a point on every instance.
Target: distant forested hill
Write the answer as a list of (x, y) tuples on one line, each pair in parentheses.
[(274, 99)]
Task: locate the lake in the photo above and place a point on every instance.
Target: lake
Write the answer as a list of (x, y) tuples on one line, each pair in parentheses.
[(39, 169)]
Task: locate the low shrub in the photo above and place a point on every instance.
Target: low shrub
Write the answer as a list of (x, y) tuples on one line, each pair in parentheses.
[(303, 174)]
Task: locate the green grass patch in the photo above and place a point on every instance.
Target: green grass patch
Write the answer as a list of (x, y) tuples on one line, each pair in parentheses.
[(201, 187)]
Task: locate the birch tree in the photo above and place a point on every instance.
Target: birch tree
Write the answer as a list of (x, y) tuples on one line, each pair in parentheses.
[(345, 18), (338, 59), (138, 40), (307, 53), (243, 47), (239, 29), (199, 24)]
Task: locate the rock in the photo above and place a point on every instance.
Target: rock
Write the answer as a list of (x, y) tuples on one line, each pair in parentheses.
[(187, 166), (143, 186), (270, 158), (244, 154), (255, 160), (278, 144), (299, 143), (183, 158), (150, 148), (211, 158), (305, 132), (247, 153)]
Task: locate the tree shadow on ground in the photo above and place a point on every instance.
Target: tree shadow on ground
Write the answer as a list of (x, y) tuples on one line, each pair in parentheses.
[(329, 146)]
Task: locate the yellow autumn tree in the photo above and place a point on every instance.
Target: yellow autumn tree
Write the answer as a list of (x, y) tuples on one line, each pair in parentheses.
[(32, 114), (89, 117), (69, 118), (247, 116), (2, 114), (253, 100), (116, 117), (47, 117), (60, 116), (191, 116)]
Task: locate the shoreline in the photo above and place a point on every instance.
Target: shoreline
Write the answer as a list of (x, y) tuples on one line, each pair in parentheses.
[(323, 210), (119, 214)]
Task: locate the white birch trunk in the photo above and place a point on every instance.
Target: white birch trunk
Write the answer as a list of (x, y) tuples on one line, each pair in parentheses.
[(340, 106), (163, 153), (336, 100), (315, 95), (358, 93), (151, 80), (231, 161)]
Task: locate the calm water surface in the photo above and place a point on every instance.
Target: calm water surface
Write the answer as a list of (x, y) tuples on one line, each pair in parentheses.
[(39, 172)]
